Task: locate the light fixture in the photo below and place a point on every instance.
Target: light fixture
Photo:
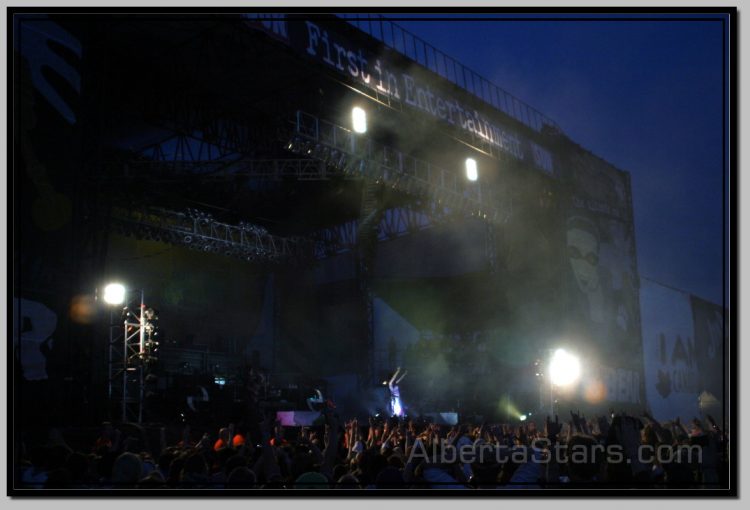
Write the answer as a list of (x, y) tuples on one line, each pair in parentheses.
[(564, 368), (114, 294), (522, 417), (359, 120), (471, 169)]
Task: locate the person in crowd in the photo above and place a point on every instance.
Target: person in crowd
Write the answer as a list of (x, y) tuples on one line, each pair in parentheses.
[(395, 454), (396, 408), (127, 471)]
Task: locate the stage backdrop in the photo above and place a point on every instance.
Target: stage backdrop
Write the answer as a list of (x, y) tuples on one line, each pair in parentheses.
[(601, 316), (683, 345)]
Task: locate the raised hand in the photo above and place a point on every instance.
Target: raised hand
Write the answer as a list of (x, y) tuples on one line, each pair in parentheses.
[(204, 443), (714, 426), (452, 435), (680, 426), (585, 426), (576, 419), (603, 424), (697, 424), (628, 434), (552, 428), (712, 421)]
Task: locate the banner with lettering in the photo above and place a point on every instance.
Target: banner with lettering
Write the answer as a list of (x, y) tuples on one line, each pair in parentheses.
[(669, 355), (709, 321), (601, 276), (383, 71)]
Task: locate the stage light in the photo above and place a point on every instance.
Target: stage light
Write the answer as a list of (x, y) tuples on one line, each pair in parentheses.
[(114, 294), (564, 368), (397, 407), (359, 120), (522, 417), (471, 169)]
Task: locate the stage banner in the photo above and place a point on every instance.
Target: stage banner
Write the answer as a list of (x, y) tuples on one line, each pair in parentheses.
[(602, 316), (709, 321), (340, 48), (669, 353)]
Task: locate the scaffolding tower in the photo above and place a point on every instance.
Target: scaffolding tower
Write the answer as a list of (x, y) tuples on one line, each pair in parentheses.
[(131, 348)]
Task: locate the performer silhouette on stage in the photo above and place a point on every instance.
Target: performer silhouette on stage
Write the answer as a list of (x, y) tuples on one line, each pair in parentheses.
[(316, 402), (396, 408), (319, 404)]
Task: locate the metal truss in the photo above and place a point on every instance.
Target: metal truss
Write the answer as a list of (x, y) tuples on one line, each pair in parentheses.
[(394, 222), (367, 240), (165, 172), (420, 51), (198, 230), (354, 154), (127, 358), (490, 247)]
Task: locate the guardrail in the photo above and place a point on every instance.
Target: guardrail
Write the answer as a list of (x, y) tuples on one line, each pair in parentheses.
[(420, 51)]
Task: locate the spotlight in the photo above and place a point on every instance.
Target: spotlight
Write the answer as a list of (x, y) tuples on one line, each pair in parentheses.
[(471, 169), (359, 120), (522, 417), (564, 368), (114, 294)]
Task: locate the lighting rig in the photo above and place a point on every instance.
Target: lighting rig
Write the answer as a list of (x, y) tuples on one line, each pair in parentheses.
[(351, 153), (133, 346), (198, 230)]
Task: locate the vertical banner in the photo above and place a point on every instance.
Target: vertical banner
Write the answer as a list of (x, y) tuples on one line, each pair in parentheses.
[(669, 353), (602, 316), (710, 355)]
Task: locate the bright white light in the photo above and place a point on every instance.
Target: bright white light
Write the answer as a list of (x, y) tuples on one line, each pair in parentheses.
[(522, 417), (397, 406), (359, 120), (564, 369), (114, 294), (471, 169)]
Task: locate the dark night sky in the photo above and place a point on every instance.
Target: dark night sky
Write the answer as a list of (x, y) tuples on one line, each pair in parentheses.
[(645, 96)]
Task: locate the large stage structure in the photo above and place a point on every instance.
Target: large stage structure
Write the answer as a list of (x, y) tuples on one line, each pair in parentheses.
[(172, 144)]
